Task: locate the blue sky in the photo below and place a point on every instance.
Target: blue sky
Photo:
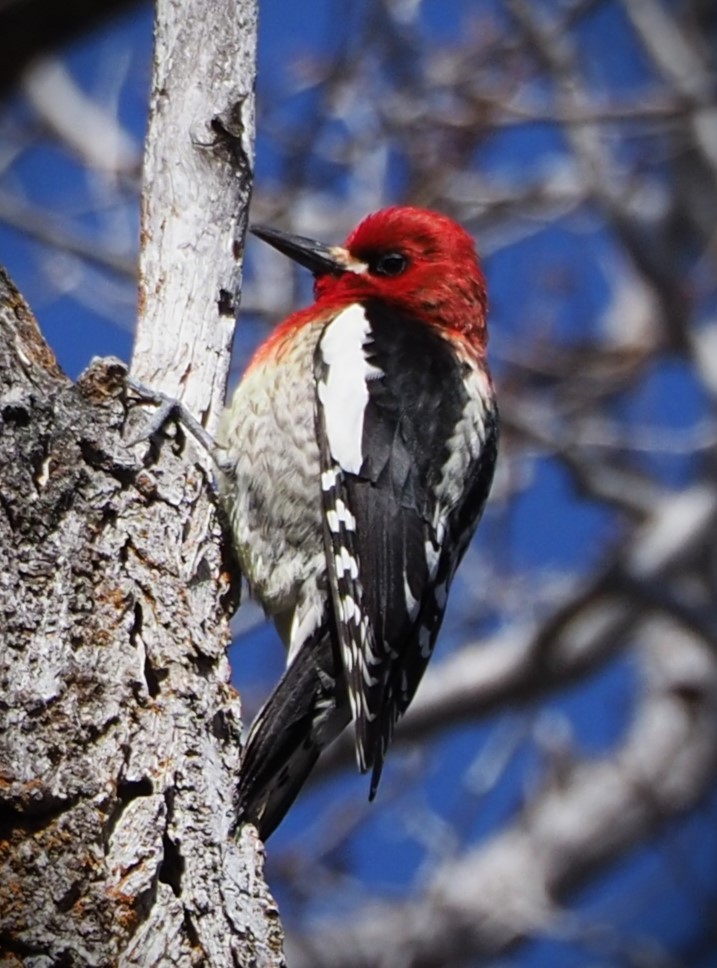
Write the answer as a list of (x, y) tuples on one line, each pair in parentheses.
[(552, 286)]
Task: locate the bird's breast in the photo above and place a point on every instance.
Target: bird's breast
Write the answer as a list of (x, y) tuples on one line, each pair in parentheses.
[(267, 445)]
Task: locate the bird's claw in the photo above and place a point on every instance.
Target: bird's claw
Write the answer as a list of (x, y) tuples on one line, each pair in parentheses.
[(168, 410)]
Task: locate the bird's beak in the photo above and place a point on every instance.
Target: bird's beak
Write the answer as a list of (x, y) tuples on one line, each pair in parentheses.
[(315, 256)]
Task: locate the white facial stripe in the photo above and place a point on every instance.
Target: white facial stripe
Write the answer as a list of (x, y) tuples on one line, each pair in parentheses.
[(344, 393), (345, 259)]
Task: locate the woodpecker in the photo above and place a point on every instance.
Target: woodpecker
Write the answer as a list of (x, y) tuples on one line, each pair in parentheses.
[(358, 452)]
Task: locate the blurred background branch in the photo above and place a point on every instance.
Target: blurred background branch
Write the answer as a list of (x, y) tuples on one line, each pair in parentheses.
[(552, 797)]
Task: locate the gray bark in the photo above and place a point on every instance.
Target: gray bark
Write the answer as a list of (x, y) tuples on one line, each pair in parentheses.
[(197, 180), (119, 729)]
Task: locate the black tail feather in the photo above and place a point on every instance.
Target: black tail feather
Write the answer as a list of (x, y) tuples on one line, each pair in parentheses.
[(306, 712)]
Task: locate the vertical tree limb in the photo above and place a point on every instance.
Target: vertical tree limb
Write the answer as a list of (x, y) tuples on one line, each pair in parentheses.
[(119, 729), (197, 181)]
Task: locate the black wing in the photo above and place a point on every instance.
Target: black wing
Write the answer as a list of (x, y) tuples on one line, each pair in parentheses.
[(405, 474)]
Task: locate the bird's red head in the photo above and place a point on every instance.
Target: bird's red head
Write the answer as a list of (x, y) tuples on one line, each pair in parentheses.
[(422, 262)]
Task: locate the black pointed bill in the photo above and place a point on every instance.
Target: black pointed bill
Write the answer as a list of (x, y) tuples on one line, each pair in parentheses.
[(315, 256)]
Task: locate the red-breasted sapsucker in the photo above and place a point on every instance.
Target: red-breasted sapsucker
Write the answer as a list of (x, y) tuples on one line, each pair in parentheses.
[(359, 451)]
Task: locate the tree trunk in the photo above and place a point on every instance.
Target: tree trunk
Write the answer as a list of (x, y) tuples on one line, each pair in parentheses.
[(119, 740)]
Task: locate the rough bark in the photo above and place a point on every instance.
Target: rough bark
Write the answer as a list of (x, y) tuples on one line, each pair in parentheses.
[(119, 729)]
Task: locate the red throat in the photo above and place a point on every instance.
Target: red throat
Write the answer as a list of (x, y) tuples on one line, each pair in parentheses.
[(442, 286)]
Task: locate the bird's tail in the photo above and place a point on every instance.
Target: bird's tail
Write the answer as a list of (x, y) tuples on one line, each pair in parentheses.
[(307, 711)]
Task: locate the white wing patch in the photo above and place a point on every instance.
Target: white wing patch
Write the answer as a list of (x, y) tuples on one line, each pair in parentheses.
[(344, 393)]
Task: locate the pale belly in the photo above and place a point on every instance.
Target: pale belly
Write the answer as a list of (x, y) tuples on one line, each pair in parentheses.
[(272, 494)]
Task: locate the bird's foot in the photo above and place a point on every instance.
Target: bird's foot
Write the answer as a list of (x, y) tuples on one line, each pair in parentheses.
[(168, 410)]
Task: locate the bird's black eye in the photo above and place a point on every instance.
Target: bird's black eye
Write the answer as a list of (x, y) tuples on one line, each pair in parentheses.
[(390, 264)]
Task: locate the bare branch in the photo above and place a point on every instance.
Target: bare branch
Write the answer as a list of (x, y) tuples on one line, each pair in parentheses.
[(198, 168), (82, 124), (681, 63), (483, 902), (35, 224)]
